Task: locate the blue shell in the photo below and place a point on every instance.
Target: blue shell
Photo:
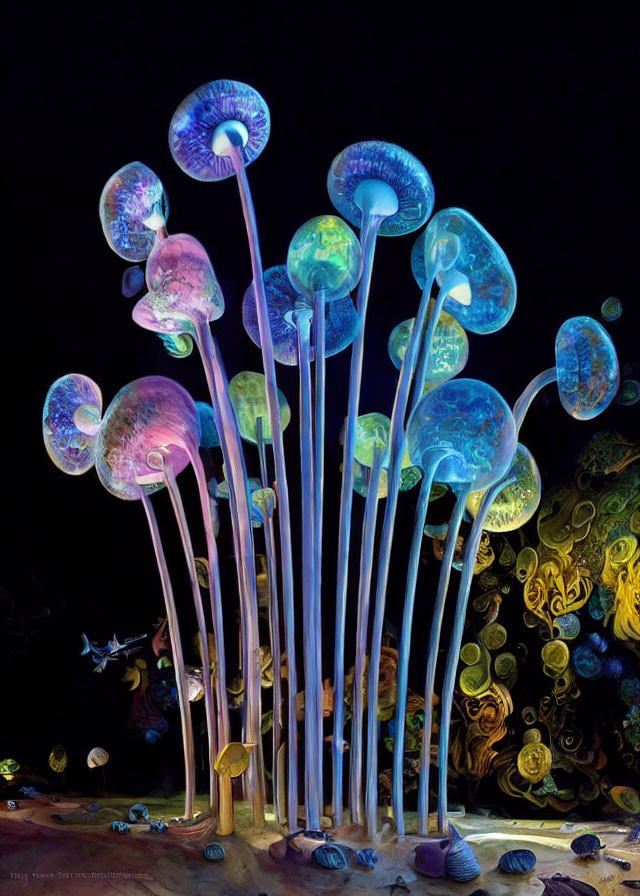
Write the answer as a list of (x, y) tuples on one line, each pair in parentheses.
[(158, 827), (199, 114), (461, 863), (330, 856), (376, 160), (517, 861), (120, 827), (367, 857), (93, 807), (214, 852), (138, 812), (132, 281), (586, 845), (342, 321)]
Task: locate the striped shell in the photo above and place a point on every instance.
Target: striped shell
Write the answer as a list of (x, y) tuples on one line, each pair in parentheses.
[(214, 852), (586, 845), (460, 863), (367, 857), (517, 861), (330, 856)]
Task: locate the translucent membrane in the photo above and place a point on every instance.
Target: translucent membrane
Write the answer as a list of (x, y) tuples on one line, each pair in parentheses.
[(133, 205)]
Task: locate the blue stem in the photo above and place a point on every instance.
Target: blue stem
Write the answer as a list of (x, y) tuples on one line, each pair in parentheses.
[(364, 594), (369, 232), (405, 635), (268, 361), (432, 660), (320, 389), (311, 684)]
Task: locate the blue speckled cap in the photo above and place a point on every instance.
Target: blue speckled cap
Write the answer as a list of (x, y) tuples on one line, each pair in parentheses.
[(402, 171), (197, 117)]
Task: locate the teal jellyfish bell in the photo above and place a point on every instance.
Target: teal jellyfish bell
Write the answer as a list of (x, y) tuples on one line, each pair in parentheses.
[(372, 436), (324, 256), (341, 318), (152, 415), (133, 205), (404, 191), (586, 367), (484, 297), (70, 421), (210, 117), (468, 417), (449, 349)]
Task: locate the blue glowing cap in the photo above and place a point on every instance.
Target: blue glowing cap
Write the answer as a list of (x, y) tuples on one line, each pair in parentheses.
[(587, 367), (484, 296), (375, 160), (72, 399), (133, 205), (472, 419), (197, 118)]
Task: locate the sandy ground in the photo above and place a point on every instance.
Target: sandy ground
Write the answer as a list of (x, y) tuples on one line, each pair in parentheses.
[(80, 855)]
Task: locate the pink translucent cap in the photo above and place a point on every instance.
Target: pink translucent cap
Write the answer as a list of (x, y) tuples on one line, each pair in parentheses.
[(151, 423), (183, 290)]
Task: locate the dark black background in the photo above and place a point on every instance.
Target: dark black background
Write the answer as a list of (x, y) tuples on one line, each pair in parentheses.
[(524, 116)]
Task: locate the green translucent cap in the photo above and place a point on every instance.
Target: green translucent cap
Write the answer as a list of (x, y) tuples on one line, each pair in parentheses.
[(249, 397), (324, 254)]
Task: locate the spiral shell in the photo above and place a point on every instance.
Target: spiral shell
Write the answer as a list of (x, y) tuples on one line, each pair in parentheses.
[(331, 856), (138, 812)]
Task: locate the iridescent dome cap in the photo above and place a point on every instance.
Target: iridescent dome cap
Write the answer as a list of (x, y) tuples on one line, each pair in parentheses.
[(472, 419), (73, 401), (197, 120), (586, 366), (341, 318), (249, 398), (449, 350), (375, 160), (183, 289), (485, 297), (150, 421), (324, 254), (133, 205), (372, 435), (516, 504)]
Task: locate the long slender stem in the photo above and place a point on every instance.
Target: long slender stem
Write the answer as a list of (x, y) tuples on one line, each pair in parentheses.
[(239, 493), (225, 811), (356, 803), (319, 325), (405, 635), (432, 660), (178, 659), (396, 455), (268, 360), (523, 403), (311, 684), (262, 453), (455, 643), (276, 650), (369, 232), (185, 535)]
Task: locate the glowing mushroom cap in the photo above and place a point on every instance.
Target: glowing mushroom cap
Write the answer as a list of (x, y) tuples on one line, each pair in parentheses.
[(97, 757), (342, 321), (516, 504), (485, 296), (587, 367), (249, 397), (449, 349), (409, 477), (150, 421), (72, 400), (133, 205), (474, 421), (375, 160), (195, 121), (324, 254), (233, 760), (372, 435), (183, 289)]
